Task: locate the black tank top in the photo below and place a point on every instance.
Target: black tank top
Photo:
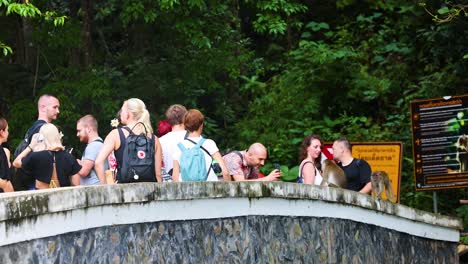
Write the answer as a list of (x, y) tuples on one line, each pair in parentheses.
[(4, 169), (119, 152)]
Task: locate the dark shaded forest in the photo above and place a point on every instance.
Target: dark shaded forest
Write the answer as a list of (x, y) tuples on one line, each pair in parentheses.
[(268, 71)]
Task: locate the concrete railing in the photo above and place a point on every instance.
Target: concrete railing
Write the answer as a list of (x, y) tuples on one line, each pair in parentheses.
[(211, 222)]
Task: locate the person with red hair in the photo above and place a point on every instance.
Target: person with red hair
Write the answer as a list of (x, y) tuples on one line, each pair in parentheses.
[(193, 122), (164, 127)]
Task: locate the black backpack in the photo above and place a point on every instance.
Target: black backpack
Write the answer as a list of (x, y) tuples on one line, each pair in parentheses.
[(27, 138), (138, 158)]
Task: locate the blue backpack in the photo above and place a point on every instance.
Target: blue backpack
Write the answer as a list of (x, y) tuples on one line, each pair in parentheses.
[(192, 162)]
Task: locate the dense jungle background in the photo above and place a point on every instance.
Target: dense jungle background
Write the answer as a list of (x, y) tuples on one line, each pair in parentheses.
[(267, 71)]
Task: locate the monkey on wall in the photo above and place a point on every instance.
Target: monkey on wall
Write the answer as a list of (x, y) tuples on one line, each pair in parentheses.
[(333, 175), (379, 181)]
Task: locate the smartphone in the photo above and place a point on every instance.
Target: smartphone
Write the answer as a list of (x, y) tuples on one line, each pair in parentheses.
[(277, 166), (40, 138)]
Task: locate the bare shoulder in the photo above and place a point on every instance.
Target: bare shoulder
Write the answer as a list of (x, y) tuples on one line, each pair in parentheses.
[(114, 133), (308, 164), (112, 139)]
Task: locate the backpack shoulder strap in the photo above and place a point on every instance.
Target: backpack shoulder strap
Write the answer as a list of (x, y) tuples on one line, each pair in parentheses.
[(239, 154), (138, 123), (200, 144), (127, 128), (181, 147), (36, 125)]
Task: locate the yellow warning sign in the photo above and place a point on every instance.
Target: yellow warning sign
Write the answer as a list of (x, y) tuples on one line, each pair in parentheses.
[(382, 156)]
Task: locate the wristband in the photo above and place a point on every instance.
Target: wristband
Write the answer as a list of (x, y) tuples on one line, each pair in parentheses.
[(30, 148)]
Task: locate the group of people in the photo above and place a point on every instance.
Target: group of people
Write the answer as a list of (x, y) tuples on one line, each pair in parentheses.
[(44, 162)]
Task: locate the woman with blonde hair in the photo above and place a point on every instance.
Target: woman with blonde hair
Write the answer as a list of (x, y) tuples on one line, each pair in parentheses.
[(135, 119), (47, 161), (5, 184)]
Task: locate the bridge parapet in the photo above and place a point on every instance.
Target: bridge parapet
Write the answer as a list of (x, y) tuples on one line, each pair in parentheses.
[(193, 222)]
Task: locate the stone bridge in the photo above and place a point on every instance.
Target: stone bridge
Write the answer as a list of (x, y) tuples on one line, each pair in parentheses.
[(235, 222)]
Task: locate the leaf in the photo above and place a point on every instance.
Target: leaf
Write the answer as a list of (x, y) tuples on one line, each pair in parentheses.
[(443, 10), (296, 141), (314, 26), (306, 35), (465, 56), (324, 25)]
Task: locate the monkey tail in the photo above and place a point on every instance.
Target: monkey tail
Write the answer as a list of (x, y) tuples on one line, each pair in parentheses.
[(390, 194)]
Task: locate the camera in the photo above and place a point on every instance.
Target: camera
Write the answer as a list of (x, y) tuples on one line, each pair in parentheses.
[(216, 168), (277, 166)]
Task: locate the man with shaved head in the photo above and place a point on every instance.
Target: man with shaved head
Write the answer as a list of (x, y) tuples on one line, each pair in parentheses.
[(48, 109), (357, 171), (87, 131), (244, 165)]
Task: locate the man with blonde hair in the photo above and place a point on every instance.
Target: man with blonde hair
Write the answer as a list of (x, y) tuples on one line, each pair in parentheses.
[(87, 132), (244, 165)]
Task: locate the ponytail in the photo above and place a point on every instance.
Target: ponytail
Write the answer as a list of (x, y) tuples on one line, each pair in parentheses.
[(138, 108), (145, 119)]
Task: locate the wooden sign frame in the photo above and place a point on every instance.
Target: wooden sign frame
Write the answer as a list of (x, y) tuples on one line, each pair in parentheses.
[(439, 137)]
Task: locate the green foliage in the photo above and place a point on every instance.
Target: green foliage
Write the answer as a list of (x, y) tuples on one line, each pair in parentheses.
[(79, 93), (464, 239), (53, 16), (27, 10), (314, 26), (276, 16), (23, 9), (289, 174), (260, 71), (447, 12), (6, 49)]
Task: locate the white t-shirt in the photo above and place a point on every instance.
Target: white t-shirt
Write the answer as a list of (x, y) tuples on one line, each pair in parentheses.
[(209, 145), (169, 145)]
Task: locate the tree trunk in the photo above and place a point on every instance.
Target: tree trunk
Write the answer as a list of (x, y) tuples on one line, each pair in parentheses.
[(26, 50), (74, 52), (87, 44)]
